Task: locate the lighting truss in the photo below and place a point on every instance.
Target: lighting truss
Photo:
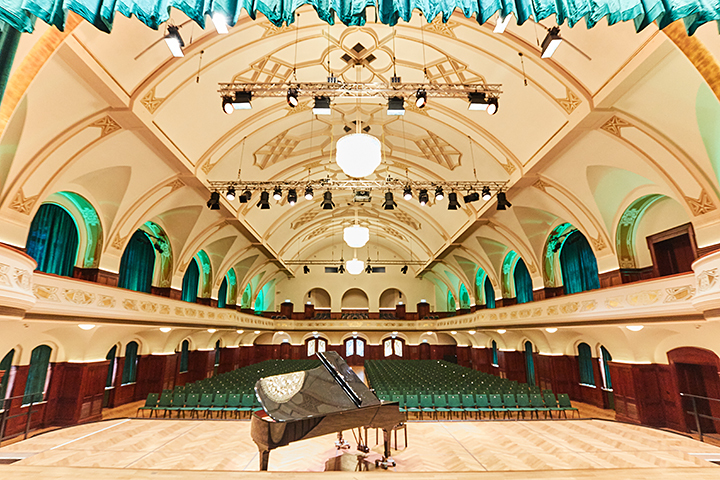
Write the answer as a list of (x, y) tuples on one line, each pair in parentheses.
[(376, 262), (335, 89)]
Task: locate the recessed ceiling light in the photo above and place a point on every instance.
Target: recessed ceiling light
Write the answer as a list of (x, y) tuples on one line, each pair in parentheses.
[(501, 331), (257, 332), (239, 331), (454, 332), (635, 328), (212, 330), (165, 329), (472, 332), (86, 326), (551, 330)]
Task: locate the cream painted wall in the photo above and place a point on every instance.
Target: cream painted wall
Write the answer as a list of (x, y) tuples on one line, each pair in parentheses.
[(662, 215)]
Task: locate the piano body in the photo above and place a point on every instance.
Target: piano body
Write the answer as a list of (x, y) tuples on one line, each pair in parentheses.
[(327, 399)]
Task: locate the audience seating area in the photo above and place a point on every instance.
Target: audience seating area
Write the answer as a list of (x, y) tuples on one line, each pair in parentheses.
[(228, 393), (430, 388)]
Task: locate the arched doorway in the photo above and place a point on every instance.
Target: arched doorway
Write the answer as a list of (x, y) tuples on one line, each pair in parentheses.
[(696, 373), (425, 351)]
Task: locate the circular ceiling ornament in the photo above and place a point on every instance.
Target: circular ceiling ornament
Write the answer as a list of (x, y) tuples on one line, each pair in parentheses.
[(356, 236), (355, 266), (358, 154)]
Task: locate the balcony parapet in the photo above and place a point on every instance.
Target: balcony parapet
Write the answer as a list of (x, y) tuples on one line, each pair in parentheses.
[(707, 284), (16, 283)]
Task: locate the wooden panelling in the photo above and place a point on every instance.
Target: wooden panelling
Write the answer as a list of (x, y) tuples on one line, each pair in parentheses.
[(201, 365), (610, 279), (702, 251)]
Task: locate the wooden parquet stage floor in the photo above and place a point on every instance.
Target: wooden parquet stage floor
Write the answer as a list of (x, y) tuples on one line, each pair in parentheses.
[(179, 449)]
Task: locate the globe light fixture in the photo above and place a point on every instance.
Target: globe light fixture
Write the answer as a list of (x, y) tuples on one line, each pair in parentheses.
[(355, 266), (356, 236), (358, 154)]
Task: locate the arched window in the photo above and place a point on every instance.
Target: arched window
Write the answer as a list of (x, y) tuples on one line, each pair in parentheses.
[(5, 366), (587, 377), (451, 306), (137, 264), (355, 346), (393, 347), (190, 282), (464, 297), (53, 240), (523, 282), (605, 359), (489, 294), (37, 380), (314, 345), (129, 374), (222, 293), (529, 363), (184, 356), (494, 354), (111, 368), (260, 302), (246, 297), (578, 264), (217, 353)]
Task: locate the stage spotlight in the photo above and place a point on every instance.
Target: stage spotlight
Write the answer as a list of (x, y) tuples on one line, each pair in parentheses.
[(214, 202), (551, 43), (423, 197), (478, 101), (341, 268), (439, 194), (264, 202), (471, 197), (389, 203), (486, 195), (453, 201), (245, 197), (407, 193), (404, 270), (292, 97), (327, 203), (421, 98), (493, 106), (308, 193), (277, 194), (396, 106), (227, 104), (502, 201), (242, 101), (306, 269), (174, 41), (368, 268), (230, 194), (292, 196), (322, 106)]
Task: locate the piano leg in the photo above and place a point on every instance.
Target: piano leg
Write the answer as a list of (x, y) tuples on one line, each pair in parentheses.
[(264, 459), (386, 460)]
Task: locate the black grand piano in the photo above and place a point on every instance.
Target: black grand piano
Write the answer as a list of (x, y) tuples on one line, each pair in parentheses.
[(326, 399)]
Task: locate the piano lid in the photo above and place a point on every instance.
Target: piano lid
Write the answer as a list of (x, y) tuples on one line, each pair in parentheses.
[(332, 387)]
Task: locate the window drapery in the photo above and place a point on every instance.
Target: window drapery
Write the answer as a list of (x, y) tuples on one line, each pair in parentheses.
[(222, 294), (523, 283), (137, 264), (9, 39), (53, 240), (489, 294), (587, 376), (37, 374), (130, 368), (191, 281), (578, 264), (529, 364), (5, 366), (606, 358), (494, 353), (217, 353), (184, 356), (111, 368)]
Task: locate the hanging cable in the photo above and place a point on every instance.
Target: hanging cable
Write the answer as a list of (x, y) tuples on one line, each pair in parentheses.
[(472, 156), (422, 41), (297, 33), (522, 64), (197, 79)]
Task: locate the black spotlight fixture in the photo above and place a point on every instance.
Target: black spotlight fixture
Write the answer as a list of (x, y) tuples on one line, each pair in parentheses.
[(292, 196), (230, 194), (242, 101), (322, 106), (341, 268), (421, 98), (308, 193), (407, 193), (502, 201), (245, 197), (306, 269), (493, 106), (264, 202), (327, 203), (175, 42), (404, 270), (396, 106), (486, 195), (453, 201), (389, 203), (277, 194), (214, 202), (471, 197), (551, 42), (368, 268), (439, 195), (227, 104), (423, 197), (292, 97)]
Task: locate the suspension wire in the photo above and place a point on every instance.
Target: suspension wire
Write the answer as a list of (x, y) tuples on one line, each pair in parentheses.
[(328, 51), (297, 33), (522, 64), (422, 40), (472, 155), (242, 155), (197, 79), (393, 41)]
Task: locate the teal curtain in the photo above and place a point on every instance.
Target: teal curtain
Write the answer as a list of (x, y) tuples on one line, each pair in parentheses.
[(130, 368), (9, 39), (489, 294), (53, 240), (5, 366), (217, 352), (190, 282), (137, 264), (451, 306), (260, 302), (111, 368), (523, 283), (529, 364), (37, 374), (494, 353), (21, 13), (578, 264), (587, 376), (606, 359), (222, 294), (184, 356)]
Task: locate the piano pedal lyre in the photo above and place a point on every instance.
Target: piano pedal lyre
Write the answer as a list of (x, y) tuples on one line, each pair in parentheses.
[(341, 443)]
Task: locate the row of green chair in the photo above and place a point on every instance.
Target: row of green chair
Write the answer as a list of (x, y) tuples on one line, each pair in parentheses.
[(208, 404)]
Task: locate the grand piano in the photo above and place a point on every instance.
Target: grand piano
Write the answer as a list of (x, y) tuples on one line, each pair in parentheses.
[(327, 399)]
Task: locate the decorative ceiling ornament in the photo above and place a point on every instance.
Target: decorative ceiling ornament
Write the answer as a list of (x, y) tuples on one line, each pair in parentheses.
[(356, 236)]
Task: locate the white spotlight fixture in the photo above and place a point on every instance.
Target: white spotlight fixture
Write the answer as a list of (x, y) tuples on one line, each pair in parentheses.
[(486, 195), (86, 326), (212, 330), (356, 236), (635, 328), (502, 23), (308, 193), (421, 98), (407, 193), (230, 195), (277, 194), (322, 106), (396, 106), (358, 154), (220, 22), (240, 331), (551, 43), (355, 266), (551, 330), (439, 195), (165, 329), (174, 41), (478, 101), (501, 331), (242, 101), (227, 104)]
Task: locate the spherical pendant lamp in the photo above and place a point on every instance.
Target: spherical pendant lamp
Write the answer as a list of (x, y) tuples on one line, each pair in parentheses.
[(356, 236), (358, 154), (355, 266)]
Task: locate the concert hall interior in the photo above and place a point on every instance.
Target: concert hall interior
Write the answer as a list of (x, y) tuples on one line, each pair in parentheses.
[(522, 250)]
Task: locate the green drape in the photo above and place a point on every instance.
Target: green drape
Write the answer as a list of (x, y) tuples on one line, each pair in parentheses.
[(130, 368), (451, 306), (111, 368), (587, 376), (53, 240), (529, 364), (260, 302), (37, 374), (137, 264), (523, 283), (494, 353), (578, 264), (606, 359), (21, 13), (217, 352), (222, 294), (5, 366), (489, 294), (184, 356), (190, 282), (9, 39)]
